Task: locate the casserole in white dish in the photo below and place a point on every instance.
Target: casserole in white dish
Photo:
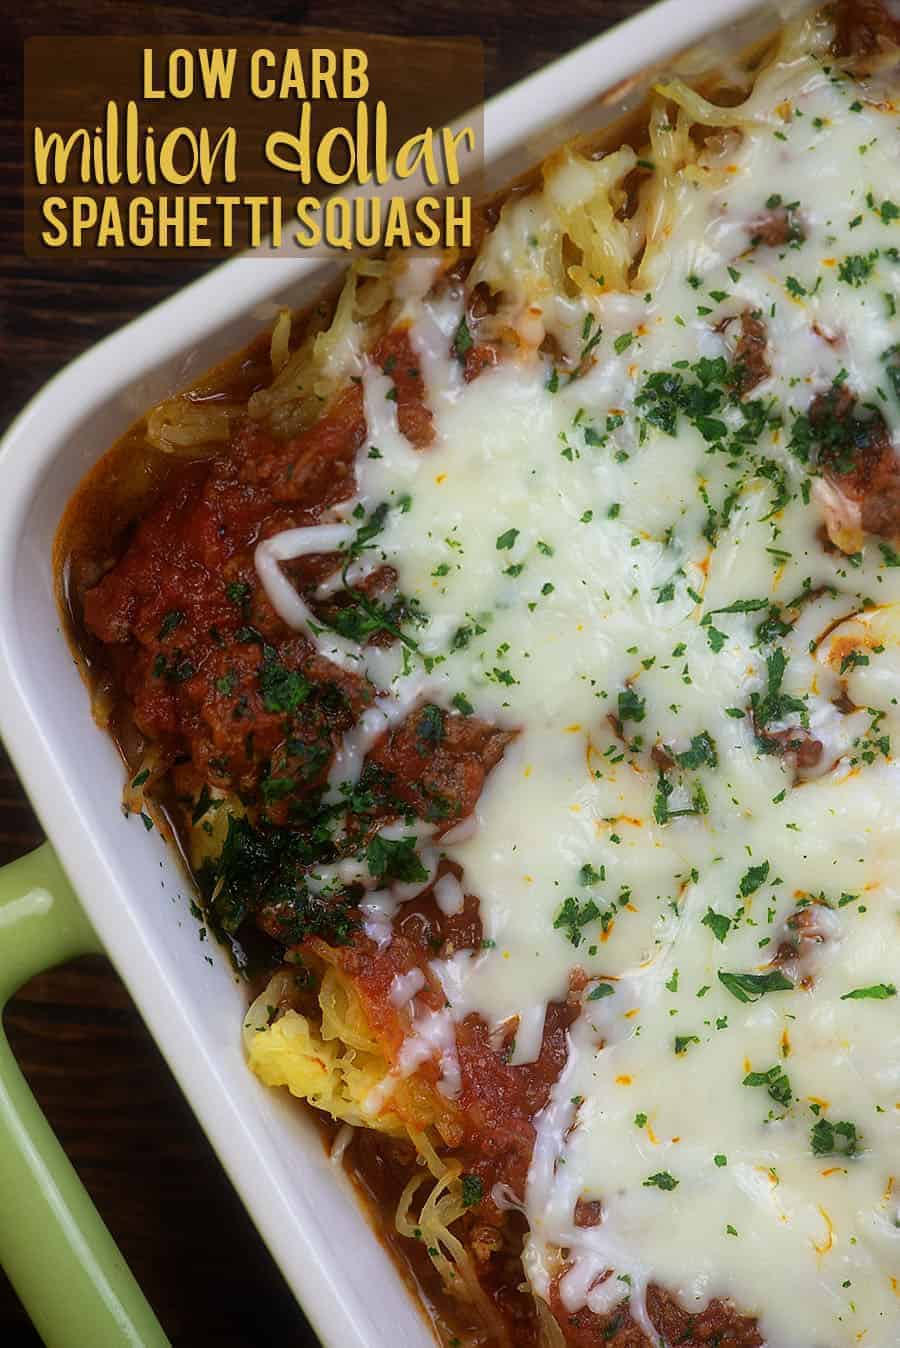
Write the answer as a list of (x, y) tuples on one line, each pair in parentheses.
[(128, 880)]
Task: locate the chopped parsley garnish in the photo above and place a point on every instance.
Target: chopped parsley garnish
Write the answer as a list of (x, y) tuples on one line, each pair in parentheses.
[(878, 992), (702, 751), (178, 670), (776, 1082), (204, 800), (429, 728), (833, 1139), (394, 859), (174, 618), (661, 1180), (891, 359), (684, 1041), (462, 339), (857, 267), (282, 689), (361, 618), (718, 923), (836, 431), (573, 916), (888, 210), (775, 705), (463, 635), (665, 394), (238, 591), (663, 812), (599, 991), (753, 878), (632, 707), (276, 788), (372, 527), (750, 987), (852, 660), (263, 867), (589, 337), (472, 1190), (741, 606), (506, 540)]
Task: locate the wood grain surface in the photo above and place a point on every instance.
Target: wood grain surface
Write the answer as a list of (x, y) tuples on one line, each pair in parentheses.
[(94, 1068)]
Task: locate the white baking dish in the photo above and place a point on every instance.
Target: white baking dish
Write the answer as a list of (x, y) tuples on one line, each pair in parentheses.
[(128, 881)]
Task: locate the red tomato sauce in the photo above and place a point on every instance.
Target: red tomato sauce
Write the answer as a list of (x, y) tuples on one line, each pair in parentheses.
[(184, 635)]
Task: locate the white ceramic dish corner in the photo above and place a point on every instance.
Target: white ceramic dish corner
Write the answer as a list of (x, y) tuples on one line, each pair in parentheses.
[(127, 879)]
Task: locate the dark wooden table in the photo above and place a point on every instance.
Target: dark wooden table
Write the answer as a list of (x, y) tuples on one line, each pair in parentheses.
[(94, 1068)]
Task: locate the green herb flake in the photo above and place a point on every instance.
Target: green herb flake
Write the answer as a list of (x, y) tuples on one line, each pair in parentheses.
[(472, 1190), (702, 752), (856, 268), (776, 1082), (661, 1180), (750, 987), (573, 916), (462, 340), (684, 1041), (878, 992), (752, 879), (833, 1139), (238, 591), (281, 689), (632, 707), (394, 859), (718, 923), (174, 618)]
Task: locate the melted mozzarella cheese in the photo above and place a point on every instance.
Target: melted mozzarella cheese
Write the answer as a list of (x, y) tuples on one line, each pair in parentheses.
[(577, 565)]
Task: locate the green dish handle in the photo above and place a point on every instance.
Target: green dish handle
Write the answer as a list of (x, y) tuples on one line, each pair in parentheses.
[(54, 1246)]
